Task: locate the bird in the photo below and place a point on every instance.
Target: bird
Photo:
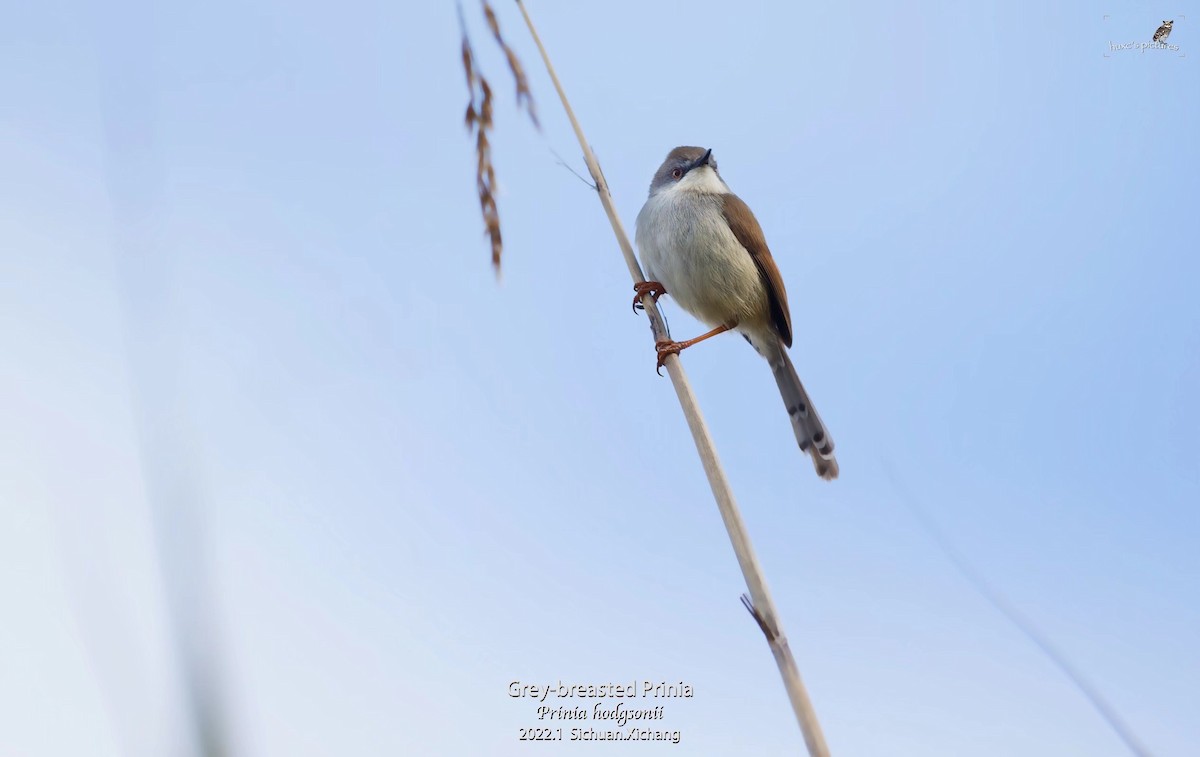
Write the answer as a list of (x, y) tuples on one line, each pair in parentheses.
[(700, 243), (1164, 31)]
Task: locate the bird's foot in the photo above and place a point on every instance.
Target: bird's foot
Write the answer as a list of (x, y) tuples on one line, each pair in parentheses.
[(666, 347), (643, 288)]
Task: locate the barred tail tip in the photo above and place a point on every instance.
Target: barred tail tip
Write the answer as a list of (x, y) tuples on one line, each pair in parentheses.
[(827, 468)]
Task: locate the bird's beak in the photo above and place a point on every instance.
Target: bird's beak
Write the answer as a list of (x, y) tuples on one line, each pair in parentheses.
[(702, 161)]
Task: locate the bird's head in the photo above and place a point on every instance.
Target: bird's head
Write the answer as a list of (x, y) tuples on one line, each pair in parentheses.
[(688, 168)]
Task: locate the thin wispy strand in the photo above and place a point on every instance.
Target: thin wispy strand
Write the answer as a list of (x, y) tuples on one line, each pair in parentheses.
[(996, 599)]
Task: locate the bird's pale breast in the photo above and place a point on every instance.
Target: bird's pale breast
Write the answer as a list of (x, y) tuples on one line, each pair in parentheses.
[(686, 244)]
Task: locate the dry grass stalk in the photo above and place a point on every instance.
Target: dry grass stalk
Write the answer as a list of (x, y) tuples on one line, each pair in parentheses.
[(759, 604)]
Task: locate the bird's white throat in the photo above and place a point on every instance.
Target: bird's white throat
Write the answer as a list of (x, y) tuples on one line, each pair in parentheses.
[(702, 180)]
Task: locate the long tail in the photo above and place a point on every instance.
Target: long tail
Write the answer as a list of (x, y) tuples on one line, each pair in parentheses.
[(811, 433)]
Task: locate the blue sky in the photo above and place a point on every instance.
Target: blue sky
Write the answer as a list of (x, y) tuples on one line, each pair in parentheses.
[(245, 300)]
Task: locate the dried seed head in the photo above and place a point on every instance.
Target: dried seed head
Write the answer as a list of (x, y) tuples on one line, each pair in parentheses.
[(479, 121), (524, 95)]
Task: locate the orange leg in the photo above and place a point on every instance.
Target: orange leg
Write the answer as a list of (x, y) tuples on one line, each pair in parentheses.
[(665, 347), (652, 288)]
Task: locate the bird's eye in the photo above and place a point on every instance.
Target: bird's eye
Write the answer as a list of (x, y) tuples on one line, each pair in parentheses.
[(677, 173)]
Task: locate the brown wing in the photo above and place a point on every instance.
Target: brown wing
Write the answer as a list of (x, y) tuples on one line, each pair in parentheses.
[(745, 227)]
